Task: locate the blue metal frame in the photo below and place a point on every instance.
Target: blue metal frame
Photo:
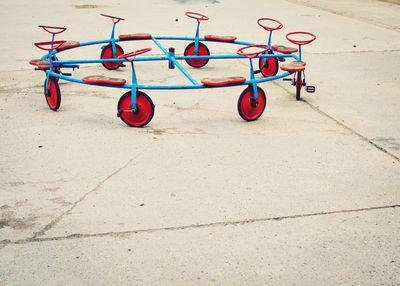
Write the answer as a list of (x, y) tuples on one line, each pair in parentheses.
[(168, 56)]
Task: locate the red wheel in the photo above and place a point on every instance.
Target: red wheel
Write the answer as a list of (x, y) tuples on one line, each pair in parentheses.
[(106, 53), (268, 66), (299, 85), (202, 51), (144, 109), (248, 108), (52, 94)]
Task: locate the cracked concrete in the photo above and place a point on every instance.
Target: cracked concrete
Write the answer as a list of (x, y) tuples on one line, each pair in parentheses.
[(308, 194)]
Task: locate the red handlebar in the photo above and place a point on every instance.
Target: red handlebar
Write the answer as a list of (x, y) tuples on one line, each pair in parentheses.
[(262, 49), (113, 18), (52, 45), (53, 30), (134, 54), (301, 42), (197, 16), (268, 28)]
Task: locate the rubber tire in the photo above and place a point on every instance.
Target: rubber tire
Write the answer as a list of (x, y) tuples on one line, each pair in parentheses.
[(136, 119), (106, 53), (53, 96), (244, 104), (299, 84), (203, 51), (273, 66)]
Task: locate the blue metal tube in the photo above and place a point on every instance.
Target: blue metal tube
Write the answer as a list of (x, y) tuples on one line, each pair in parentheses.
[(253, 80), (270, 39), (112, 40), (196, 39), (134, 88), (167, 87), (172, 59), (299, 52), (170, 38), (167, 57)]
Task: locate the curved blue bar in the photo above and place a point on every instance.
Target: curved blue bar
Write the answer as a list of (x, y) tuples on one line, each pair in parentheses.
[(166, 87), (194, 84)]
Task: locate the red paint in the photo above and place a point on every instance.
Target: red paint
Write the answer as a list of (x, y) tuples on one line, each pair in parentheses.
[(197, 16), (290, 38), (49, 46), (68, 45), (131, 56), (246, 109), (53, 96), (244, 51), (113, 18), (106, 53), (284, 49), (278, 24), (143, 114), (138, 36), (53, 30), (98, 79), (202, 51), (223, 81), (220, 38)]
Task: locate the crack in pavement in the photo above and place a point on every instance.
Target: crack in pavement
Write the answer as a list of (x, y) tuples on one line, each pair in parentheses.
[(351, 52), (98, 186), (352, 131), (197, 226), (323, 113), (343, 14)]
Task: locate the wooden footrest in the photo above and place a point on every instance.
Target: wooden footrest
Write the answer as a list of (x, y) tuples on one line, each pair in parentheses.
[(40, 64), (68, 45), (294, 66), (223, 81), (220, 38), (284, 50), (137, 36), (99, 79)]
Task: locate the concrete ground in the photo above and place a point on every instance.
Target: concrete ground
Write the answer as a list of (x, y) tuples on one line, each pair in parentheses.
[(306, 195)]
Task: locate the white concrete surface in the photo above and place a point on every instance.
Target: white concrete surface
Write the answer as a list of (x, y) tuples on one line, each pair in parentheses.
[(306, 195)]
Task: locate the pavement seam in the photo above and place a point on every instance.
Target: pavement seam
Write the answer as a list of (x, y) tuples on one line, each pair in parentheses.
[(341, 124), (97, 187), (352, 130), (197, 226), (351, 52), (354, 17)]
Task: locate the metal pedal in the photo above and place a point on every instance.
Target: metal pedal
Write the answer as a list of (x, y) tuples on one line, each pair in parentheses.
[(310, 89), (123, 65), (257, 71), (281, 59), (292, 80)]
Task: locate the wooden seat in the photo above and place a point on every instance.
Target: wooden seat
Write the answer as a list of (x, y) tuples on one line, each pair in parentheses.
[(220, 38), (222, 81), (294, 66), (137, 36), (99, 79), (40, 64), (68, 45), (284, 49)]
